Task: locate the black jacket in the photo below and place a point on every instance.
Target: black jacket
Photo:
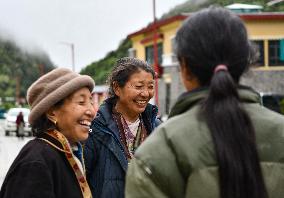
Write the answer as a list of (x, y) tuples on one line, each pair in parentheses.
[(40, 171)]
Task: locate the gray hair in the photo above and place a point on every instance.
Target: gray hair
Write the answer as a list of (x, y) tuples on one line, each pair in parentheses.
[(122, 71)]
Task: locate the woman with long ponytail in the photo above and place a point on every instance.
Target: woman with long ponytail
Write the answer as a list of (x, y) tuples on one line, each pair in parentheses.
[(219, 141), (234, 139)]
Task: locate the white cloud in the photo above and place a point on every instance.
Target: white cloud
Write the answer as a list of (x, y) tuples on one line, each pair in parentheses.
[(94, 26)]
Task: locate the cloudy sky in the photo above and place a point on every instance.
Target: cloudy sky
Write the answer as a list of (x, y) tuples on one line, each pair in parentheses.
[(94, 26)]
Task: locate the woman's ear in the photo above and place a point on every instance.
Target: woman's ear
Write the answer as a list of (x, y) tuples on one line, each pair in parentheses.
[(115, 88), (189, 79), (185, 71), (51, 115)]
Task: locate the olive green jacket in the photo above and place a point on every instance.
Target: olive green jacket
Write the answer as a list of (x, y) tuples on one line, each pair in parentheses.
[(178, 159)]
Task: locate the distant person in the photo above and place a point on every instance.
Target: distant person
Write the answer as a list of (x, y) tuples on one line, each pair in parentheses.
[(122, 123), (52, 164), (219, 142), (20, 123)]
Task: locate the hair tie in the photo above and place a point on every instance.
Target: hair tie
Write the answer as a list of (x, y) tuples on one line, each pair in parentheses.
[(220, 67)]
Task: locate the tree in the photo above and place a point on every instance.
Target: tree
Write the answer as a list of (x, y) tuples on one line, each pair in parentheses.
[(19, 69), (99, 70)]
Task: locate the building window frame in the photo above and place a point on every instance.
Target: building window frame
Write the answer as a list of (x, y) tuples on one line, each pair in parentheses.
[(274, 53), (259, 45), (149, 53)]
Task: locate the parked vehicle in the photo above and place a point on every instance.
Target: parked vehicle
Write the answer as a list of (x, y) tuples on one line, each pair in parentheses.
[(10, 121), (274, 102), (2, 113)]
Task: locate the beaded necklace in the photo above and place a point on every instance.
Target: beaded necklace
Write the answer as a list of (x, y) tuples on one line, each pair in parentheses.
[(129, 141)]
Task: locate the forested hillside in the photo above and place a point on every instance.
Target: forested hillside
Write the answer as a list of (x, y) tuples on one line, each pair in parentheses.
[(100, 69), (18, 69), (194, 5)]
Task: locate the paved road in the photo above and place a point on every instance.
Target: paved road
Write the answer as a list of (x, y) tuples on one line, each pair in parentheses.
[(9, 149), (1, 126)]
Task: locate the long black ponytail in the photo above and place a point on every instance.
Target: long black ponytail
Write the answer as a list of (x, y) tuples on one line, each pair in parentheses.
[(207, 39), (234, 139)]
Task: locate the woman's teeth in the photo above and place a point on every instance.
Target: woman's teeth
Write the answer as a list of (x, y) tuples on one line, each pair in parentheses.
[(141, 102), (85, 122)]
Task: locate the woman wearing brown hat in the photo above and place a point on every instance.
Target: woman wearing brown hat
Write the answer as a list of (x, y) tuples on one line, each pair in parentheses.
[(52, 164)]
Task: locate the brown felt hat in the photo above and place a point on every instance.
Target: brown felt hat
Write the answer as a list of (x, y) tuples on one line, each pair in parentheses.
[(52, 88)]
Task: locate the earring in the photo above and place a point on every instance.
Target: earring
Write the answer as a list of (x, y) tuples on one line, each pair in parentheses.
[(53, 121)]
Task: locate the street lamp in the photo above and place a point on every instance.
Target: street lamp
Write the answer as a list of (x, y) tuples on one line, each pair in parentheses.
[(71, 45)]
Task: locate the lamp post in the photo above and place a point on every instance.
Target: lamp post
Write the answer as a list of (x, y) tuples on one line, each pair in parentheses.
[(155, 49), (71, 45)]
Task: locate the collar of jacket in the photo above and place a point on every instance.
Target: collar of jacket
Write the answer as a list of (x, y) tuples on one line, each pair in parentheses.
[(104, 117), (52, 140), (189, 99), (104, 124)]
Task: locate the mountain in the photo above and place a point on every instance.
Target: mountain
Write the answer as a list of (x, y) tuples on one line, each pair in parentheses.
[(18, 70), (99, 70), (194, 5)]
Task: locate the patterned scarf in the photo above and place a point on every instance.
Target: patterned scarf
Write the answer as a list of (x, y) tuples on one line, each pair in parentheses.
[(70, 157), (129, 141)]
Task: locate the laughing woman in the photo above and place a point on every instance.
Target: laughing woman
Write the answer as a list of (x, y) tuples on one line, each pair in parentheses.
[(52, 164), (122, 123)]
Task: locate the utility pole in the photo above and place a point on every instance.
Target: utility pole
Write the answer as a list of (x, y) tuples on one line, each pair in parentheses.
[(18, 76), (18, 89), (71, 45), (155, 49), (41, 69)]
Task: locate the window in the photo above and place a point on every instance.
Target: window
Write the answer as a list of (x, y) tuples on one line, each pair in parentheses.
[(274, 51), (150, 53), (173, 44), (274, 102), (150, 57), (174, 56), (258, 44), (132, 52)]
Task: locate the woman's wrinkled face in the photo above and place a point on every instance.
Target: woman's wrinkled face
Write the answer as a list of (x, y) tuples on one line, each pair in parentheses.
[(75, 115), (135, 95)]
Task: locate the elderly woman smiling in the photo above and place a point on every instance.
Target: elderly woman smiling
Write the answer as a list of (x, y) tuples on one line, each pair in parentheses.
[(52, 164), (122, 123)]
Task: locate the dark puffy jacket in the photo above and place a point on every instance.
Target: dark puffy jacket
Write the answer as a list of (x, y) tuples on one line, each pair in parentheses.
[(105, 159), (184, 162)]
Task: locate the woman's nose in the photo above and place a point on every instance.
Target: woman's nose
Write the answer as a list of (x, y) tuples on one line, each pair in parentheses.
[(145, 93), (91, 111)]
